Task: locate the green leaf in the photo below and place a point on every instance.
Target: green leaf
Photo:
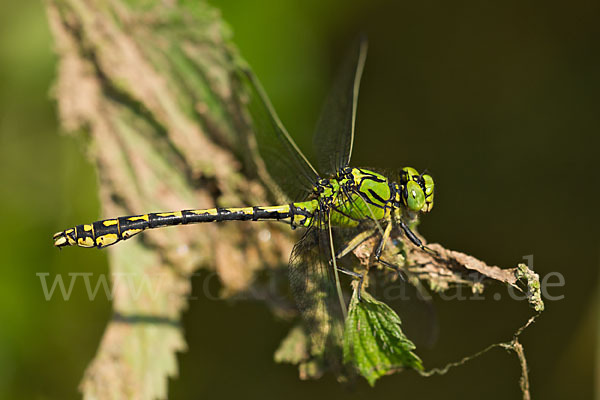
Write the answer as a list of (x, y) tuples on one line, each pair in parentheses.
[(373, 340)]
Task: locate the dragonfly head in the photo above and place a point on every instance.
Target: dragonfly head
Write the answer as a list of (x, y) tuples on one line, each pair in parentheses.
[(416, 190)]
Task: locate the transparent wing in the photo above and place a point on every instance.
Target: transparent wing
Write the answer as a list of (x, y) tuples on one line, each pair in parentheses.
[(334, 134), (313, 286), (284, 161)]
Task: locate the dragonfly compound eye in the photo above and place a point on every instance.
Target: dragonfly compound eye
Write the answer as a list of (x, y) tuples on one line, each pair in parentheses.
[(428, 187), (408, 174), (415, 197), (418, 190)]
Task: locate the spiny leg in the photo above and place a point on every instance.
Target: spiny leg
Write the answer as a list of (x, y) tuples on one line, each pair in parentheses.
[(358, 240), (385, 237), (355, 242), (416, 241), (355, 275)]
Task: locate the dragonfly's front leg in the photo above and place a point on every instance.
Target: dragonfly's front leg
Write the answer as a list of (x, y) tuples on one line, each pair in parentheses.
[(416, 241)]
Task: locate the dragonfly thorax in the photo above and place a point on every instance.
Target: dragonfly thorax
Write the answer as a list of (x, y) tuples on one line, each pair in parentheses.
[(360, 193), (414, 191)]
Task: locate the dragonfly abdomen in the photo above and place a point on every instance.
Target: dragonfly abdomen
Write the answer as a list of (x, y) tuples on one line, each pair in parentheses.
[(110, 231)]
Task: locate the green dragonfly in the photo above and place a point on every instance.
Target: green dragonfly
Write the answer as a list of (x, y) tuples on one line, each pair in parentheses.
[(340, 207)]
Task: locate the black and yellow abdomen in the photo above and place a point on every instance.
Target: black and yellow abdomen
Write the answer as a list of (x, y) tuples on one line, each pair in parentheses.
[(110, 231)]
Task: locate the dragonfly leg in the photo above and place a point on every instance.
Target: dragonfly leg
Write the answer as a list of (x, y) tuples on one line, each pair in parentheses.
[(381, 246), (416, 241), (394, 267), (355, 242), (355, 275), (383, 241)]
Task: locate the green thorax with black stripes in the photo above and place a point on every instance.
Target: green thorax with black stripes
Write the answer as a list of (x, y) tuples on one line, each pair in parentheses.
[(354, 195)]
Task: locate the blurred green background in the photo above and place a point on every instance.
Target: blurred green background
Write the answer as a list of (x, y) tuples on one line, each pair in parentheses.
[(498, 100)]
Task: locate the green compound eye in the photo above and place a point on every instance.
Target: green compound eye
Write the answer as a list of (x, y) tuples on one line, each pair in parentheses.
[(418, 190), (415, 198), (408, 174), (429, 186)]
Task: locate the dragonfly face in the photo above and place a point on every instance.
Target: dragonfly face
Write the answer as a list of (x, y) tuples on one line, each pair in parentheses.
[(416, 190)]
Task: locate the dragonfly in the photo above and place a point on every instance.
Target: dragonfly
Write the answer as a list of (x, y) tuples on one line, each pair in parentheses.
[(340, 207)]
